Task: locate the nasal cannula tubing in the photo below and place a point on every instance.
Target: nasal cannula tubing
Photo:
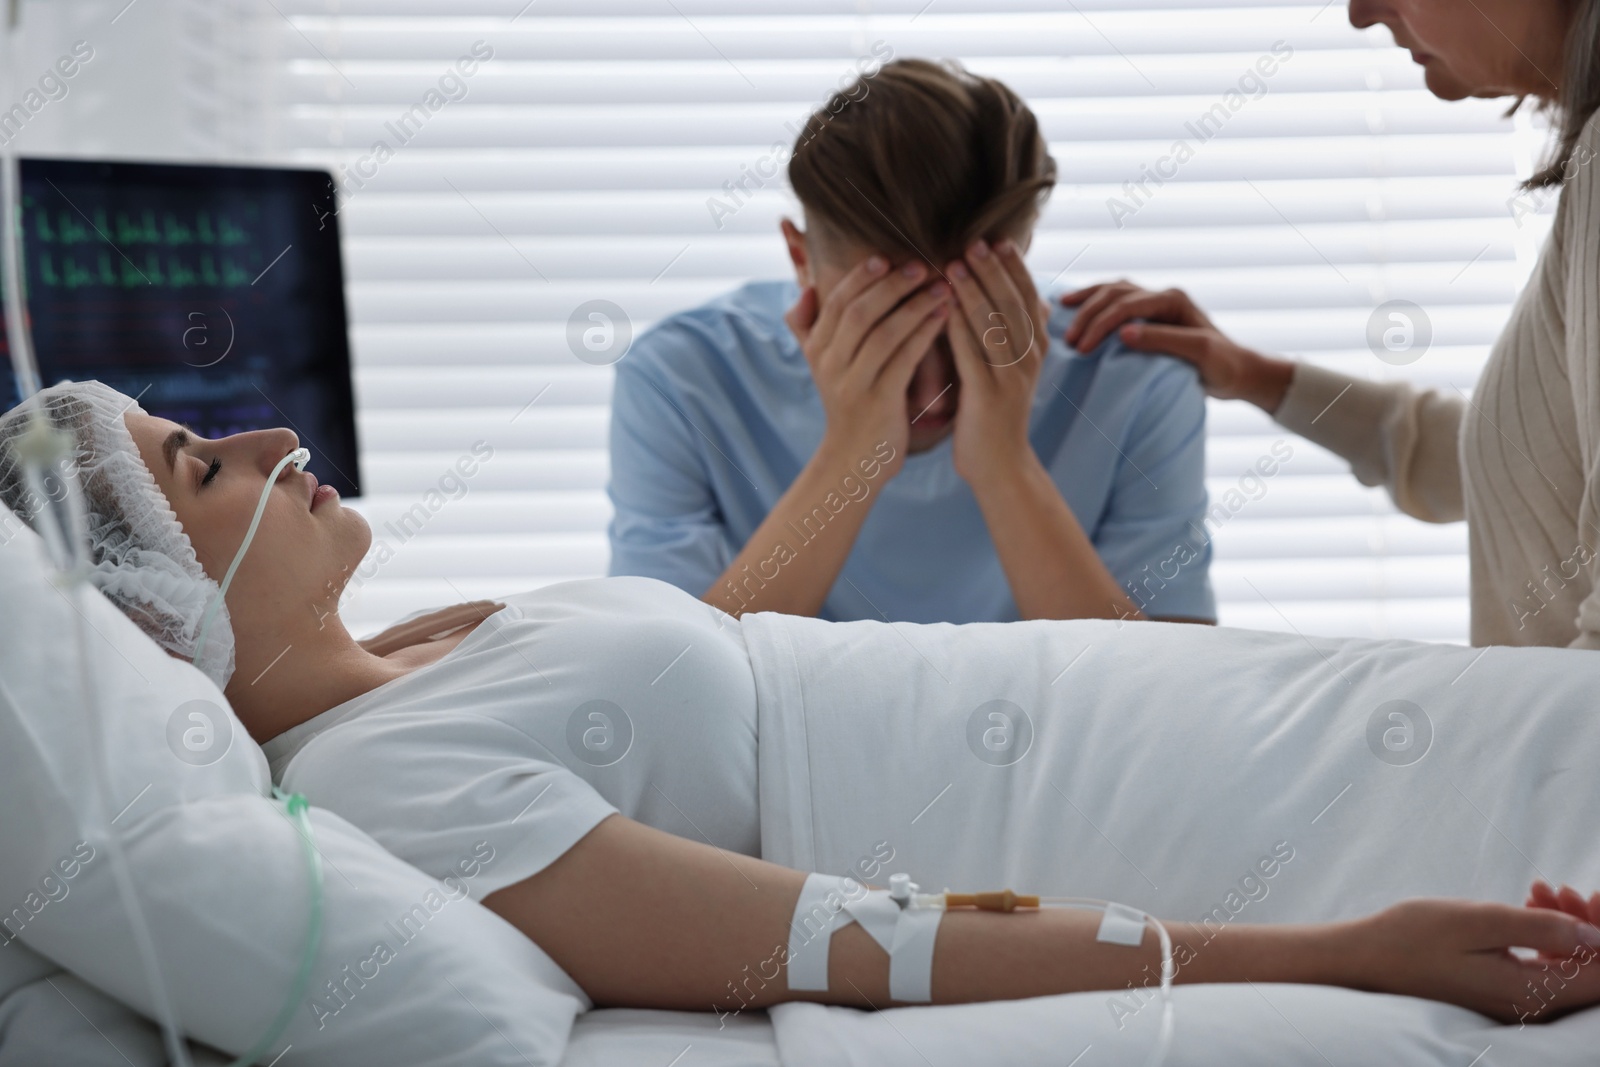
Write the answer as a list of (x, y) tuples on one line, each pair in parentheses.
[(299, 457)]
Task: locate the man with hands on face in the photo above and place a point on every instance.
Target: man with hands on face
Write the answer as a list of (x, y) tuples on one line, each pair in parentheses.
[(896, 435)]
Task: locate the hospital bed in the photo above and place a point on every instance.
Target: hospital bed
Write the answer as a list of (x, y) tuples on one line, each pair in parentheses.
[(1514, 787), (1248, 1026)]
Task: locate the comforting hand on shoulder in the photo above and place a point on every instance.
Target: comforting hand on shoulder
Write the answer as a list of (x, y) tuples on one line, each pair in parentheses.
[(1174, 325)]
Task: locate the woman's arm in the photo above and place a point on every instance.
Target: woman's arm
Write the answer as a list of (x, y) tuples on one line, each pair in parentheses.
[(1395, 436), (640, 918)]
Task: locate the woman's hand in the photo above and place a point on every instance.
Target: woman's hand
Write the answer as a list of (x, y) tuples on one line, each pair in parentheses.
[(1177, 327), (1566, 899), (863, 345), (1459, 951), (998, 338), (433, 625)]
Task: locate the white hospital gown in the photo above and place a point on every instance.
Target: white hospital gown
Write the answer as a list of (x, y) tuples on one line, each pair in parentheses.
[(1170, 767), (574, 701)]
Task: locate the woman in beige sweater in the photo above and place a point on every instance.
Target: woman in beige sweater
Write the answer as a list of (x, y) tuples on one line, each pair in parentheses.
[(1520, 458)]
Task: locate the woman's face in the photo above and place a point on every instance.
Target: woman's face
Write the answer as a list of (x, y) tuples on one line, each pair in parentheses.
[(1476, 47), (301, 555)]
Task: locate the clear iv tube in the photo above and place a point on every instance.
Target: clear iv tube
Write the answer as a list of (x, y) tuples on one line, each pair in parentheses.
[(21, 348), (1169, 971), (63, 529)]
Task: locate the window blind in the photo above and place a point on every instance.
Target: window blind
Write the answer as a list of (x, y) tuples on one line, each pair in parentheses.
[(584, 156)]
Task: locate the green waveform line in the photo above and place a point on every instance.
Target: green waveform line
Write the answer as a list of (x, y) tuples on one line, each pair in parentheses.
[(167, 272), (173, 230)]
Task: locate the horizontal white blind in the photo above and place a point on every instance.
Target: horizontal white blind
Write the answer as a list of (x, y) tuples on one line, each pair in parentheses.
[(577, 162)]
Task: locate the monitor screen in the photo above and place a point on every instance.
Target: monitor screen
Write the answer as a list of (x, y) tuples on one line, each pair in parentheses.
[(214, 295)]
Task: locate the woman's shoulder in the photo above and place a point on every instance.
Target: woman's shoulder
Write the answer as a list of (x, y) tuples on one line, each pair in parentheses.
[(1580, 176), (1591, 130)]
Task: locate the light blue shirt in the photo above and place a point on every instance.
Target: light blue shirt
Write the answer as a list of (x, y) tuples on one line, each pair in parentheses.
[(715, 414)]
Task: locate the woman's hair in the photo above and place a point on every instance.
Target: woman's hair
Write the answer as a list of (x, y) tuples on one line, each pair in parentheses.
[(1580, 93), (921, 159), (137, 552)]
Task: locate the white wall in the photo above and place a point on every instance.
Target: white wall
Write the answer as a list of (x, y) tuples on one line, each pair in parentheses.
[(169, 79)]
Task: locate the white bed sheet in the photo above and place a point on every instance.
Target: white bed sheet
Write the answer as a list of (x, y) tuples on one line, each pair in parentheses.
[(1237, 1025), (618, 1037), (1160, 765)]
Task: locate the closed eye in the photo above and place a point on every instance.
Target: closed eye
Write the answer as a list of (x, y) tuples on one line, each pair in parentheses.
[(211, 472)]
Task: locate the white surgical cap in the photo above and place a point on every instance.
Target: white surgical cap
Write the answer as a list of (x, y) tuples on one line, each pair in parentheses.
[(138, 554)]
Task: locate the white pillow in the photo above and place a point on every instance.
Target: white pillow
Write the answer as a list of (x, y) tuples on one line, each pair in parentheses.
[(219, 866), (58, 1019)]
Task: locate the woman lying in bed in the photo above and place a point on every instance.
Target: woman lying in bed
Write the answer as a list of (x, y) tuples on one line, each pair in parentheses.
[(640, 877)]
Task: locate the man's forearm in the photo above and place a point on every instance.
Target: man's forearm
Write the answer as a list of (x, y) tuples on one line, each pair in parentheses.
[(1049, 561), (792, 560)]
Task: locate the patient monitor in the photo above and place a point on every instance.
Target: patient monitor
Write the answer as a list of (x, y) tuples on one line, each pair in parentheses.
[(214, 295)]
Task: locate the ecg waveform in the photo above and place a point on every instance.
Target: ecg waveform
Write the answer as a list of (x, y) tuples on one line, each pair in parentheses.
[(126, 249)]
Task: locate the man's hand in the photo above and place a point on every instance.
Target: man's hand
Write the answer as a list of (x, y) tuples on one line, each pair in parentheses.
[(863, 348), (998, 338)]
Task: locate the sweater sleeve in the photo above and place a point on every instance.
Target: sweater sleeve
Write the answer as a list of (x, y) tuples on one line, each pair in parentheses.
[(1578, 245), (1394, 435)]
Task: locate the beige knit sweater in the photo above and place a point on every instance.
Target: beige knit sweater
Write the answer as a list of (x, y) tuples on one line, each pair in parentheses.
[(1520, 459)]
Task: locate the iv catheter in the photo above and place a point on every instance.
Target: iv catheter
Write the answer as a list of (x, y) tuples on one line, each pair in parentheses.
[(905, 893), (904, 922)]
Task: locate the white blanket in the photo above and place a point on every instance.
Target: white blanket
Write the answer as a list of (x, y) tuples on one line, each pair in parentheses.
[(1169, 766)]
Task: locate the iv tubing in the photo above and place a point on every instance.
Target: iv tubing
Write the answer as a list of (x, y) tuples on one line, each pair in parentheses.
[(1007, 901), (1169, 970), (65, 536), (62, 527)]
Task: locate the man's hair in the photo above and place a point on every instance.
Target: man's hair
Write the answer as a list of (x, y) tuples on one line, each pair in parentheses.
[(919, 160)]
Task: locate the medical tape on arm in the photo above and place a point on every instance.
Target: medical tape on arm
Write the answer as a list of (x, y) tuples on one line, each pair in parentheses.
[(817, 914), (1122, 925), (905, 924), (907, 935)]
